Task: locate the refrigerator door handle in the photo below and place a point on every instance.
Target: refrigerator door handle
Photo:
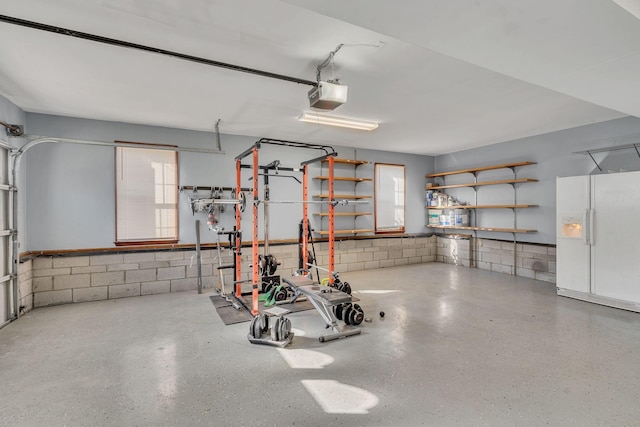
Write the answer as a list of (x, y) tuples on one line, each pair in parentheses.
[(592, 226), (585, 229)]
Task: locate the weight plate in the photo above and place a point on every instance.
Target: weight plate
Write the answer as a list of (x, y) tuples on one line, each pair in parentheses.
[(346, 288), (255, 329), (264, 322), (358, 317), (347, 315), (338, 311), (274, 330), (272, 264), (281, 294)]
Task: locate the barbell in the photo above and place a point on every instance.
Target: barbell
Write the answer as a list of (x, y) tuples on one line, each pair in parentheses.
[(242, 201)]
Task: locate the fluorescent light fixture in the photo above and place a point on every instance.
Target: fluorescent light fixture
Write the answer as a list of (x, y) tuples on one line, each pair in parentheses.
[(345, 122)]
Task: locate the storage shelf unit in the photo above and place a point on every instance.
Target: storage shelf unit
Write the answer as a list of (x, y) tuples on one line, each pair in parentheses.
[(355, 180), (474, 185), (480, 184), (480, 169), (521, 206), (343, 178), (502, 230)]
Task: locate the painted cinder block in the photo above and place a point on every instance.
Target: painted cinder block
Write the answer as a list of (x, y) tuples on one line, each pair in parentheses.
[(371, 265), (42, 284), (124, 291), (157, 287), (71, 281), (44, 299), (139, 257), (179, 285), (51, 272), (171, 273), (365, 256), (134, 276), (171, 255), (108, 278), (106, 259), (385, 263), (43, 263), (89, 269), (90, 294), (75, 261), (380, 254), (355, 266), (123, 267), (206, 270)]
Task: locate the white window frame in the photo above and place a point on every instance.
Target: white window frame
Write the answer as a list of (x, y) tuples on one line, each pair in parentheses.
[(146, 195)]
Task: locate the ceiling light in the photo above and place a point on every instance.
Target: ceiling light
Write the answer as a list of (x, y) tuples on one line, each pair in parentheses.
[(345, 122)]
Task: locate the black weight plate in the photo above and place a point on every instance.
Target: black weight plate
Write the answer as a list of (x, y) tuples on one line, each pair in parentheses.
[(281, 294), (338, 311), (357, 317), (347, 315), (346, 288)]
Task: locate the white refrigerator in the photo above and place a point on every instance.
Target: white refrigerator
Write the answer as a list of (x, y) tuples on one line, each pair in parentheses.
[(598, 239)]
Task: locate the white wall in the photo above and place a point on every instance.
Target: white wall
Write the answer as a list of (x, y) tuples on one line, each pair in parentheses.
[(553, 154), (70, 188)]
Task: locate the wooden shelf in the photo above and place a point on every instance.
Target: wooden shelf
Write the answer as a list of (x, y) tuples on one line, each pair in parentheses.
[(326, 232), (343, 213), (501, 230), (343, 178), (347, 161), (484, 207), (479, 184), (342, 196), (480, 169)]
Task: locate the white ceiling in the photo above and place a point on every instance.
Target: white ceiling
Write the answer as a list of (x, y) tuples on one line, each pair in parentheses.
[(446, 76)]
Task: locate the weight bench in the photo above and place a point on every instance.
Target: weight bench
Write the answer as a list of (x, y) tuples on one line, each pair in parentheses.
[(323, 299)]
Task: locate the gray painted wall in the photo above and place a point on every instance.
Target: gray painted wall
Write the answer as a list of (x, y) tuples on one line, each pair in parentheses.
[(70, 188), (553, 154)]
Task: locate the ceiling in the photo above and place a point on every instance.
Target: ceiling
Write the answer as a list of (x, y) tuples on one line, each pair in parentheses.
[(439, 76)]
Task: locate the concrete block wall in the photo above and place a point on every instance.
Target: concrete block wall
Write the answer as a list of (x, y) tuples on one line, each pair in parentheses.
[(25, 286), (532, 261), (71, 279)]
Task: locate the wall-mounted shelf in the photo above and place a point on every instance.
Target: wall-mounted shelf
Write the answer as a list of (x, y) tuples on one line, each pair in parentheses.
[(346, 179), (480, 169), (501, 230), (480, 184), (484, 207), (343, 178), (348, 161), (475, 206)]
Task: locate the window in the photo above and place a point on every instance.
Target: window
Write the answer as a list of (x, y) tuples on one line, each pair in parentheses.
[(389, 198), (146, 195)]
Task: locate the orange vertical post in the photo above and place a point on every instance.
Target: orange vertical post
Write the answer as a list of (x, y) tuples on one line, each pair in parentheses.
[(305, 218), (255, 277), (331, 221), (238, 248)]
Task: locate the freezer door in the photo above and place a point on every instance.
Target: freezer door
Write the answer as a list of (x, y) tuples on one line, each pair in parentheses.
[(572, 239), (616, 236)]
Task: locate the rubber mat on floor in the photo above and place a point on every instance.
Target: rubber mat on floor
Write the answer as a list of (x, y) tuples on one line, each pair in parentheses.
[(228, 313)]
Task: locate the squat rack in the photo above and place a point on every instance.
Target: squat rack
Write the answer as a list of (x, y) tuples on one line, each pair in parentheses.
[(328, 153)]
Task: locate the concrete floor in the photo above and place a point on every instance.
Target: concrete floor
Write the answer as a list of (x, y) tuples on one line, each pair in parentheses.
[(457, 347)]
